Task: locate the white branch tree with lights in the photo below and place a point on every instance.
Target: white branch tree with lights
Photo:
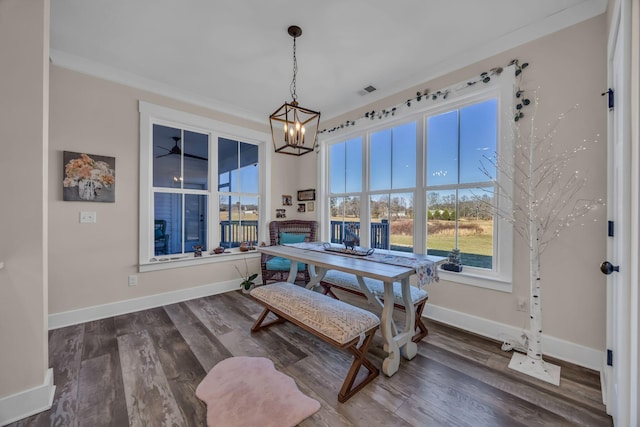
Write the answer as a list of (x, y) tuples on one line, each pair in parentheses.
[(545, 201)]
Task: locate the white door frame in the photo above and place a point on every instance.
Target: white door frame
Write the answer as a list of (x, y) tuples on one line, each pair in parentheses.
[(620, 381)]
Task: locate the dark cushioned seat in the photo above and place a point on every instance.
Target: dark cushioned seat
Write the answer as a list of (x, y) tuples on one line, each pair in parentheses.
[(282, 232)]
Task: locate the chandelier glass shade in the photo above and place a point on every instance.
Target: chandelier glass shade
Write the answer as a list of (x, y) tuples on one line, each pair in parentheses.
[(294, 129)]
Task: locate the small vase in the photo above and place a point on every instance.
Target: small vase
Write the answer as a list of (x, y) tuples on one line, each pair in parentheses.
[(87, 189), (197, 251), (246, 291)]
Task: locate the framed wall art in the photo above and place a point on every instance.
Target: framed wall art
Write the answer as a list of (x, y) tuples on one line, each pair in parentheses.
[(306, 195), (88, 177)]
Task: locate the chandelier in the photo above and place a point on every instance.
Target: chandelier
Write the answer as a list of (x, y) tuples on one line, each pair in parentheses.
[(294, 129)]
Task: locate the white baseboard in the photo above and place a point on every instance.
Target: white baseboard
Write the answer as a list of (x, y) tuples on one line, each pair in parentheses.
[(96, 312), (554, 347), (28, 402)]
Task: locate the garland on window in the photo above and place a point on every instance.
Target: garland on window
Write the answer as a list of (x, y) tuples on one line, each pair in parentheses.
[(428, 95)]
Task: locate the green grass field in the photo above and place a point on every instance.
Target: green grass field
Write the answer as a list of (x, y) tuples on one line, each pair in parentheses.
[(480, 245), (476, 236)]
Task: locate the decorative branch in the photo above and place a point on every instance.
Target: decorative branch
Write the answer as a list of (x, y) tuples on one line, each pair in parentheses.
[(545, 203), (553, 199), (436, 95)]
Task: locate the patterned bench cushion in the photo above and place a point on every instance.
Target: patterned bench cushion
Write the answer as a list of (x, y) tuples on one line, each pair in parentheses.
[(349, 281), (332, 318)]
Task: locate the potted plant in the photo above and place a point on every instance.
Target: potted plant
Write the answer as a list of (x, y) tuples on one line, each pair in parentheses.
[(247, 279)]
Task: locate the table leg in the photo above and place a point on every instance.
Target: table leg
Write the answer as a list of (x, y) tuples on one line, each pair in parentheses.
[(391, 364), (317, 274), (374, 300), (397, 344), (409, 349), (293, 271)]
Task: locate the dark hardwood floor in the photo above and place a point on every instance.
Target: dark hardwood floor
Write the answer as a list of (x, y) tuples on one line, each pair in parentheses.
[(142, 369)]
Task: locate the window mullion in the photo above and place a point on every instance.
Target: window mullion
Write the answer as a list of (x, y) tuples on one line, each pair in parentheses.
[(419, 197), (365, 195), (458, 186)]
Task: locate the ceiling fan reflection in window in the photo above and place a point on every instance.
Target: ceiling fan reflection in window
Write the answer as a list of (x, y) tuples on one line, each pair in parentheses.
[(176, 150)]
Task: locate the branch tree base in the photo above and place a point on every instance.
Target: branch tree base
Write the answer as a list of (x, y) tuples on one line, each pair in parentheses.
[(536, 368)]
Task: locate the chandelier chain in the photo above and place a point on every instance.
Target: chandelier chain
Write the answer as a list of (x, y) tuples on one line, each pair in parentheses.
[(295, 72)]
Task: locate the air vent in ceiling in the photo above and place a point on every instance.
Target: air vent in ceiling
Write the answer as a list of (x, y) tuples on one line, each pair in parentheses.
[(366, 90)]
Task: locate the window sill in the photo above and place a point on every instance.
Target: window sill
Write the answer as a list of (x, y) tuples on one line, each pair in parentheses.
[(470, 276), (177, 261)]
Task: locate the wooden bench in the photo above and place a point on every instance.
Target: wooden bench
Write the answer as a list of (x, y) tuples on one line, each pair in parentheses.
[(349, 283), (340, 324)]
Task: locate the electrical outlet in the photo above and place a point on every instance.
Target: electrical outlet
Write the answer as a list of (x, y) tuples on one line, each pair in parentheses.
[(521, 304), (133, 280)]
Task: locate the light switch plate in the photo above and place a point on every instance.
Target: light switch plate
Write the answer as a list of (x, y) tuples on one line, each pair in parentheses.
[(87, 217)]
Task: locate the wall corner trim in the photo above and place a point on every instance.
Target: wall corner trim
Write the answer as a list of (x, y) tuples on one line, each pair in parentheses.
[(28, 402)]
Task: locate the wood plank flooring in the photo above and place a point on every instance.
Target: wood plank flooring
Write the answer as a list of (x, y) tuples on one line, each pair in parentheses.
[(142, 369)]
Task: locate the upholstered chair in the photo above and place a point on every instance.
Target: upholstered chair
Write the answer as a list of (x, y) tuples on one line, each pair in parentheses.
[(289, 231)]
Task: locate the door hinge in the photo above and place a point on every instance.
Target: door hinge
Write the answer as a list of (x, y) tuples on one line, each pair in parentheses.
[(609, 94), (610, 229), (609, 357)]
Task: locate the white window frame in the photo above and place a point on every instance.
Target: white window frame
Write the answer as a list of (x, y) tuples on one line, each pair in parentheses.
[(502, 88), (151, 114)]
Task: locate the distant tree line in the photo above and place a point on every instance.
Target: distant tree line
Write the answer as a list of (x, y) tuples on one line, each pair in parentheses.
[(441, 207)]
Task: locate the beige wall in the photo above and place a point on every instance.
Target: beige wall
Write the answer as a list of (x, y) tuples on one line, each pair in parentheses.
[(568, 67), (291, 174), (89, 263), (24, 48)]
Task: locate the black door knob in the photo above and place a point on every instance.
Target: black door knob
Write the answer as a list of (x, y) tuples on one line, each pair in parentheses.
[(608, 268)]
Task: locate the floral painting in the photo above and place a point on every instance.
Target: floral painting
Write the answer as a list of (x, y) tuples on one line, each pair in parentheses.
[(88, 177)]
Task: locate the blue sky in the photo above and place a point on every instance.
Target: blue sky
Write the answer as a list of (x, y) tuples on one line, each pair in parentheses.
[(478, 133), (393, 152)]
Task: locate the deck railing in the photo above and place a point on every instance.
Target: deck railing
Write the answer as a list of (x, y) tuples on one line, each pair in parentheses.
[(379, 232), (232, 233)]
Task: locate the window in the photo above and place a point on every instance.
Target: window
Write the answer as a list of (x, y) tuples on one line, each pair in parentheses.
[(392, 159), (180, 190), (200, 187), (417, 184), (345, 187), (238, 189), (457, 140)]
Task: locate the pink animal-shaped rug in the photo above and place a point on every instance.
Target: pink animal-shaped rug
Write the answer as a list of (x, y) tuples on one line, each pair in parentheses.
[(249, 391)]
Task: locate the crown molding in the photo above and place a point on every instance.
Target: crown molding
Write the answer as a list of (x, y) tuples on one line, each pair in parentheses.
[(106, 72)]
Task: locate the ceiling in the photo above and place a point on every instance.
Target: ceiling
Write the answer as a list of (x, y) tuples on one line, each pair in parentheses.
[(236, 56)]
